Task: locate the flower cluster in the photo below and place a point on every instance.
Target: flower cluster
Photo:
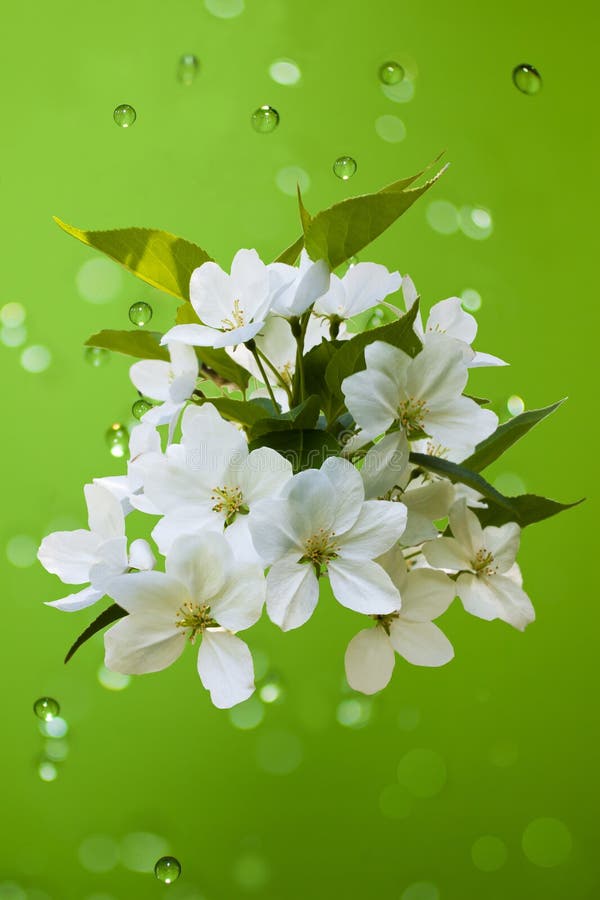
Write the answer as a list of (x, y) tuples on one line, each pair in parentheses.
[(299, 450)]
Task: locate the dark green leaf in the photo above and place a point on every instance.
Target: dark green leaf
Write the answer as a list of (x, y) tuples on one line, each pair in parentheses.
[(246, 412), (459, 474), (481, 401), (304, 449), (505, 436), (343, 230), (217, 362), (303, 416), (141, 344), (529, 509), (107, 617), (157, 257)]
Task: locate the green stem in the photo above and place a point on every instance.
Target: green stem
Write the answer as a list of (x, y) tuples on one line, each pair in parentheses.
[(299, 326), (277, 374), (254, 351)]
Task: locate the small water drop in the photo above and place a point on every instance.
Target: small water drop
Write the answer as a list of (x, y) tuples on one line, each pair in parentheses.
[(344, 167), (391, 73), (471, 299), (285, 71), (36, 358), (140, 408), (271, 690), (12, 315), (117, 438), (124, 115), (265, 119), (13, 336), (47, 770), (527, 79), (46, 708), (515, 405), (96, 356), (187, 69), (167, 869), (140, 313)]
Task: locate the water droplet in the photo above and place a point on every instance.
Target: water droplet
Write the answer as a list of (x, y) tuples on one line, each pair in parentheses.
[(344, 167), (509, 484), (355, 712), (527, 79), (140, 408), (96, 356), (98, 853), (471, 299), (390, 129), (99, 280), (288, 178), (187, 69), (515, 405), (271, 690), (13, 336), (46, 708), (124, 115), (475, 222), (21, 551), (113, 681), (421, 890), (140, 850), (167, 869), (285, 71), (47, 771), (391, 73), (547, 842), (140, 313), (247, 715), (442, 216), (56, 750), (117, 438), (489, 853), (265, 119), (12, 315), (54, 728), (225, 9), (36, 358)]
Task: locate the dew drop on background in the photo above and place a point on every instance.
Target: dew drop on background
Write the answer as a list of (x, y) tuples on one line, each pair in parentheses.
[(442, 216), (390, 129), (124, 115), (36, 359), (46, 708), (225, 9), (289, 178), (113, 681), (271, 690), (167, 869), (12, 315), (117, 439), (47, 770), (391, 73), (471, 299), (475, 222), (489, 853), (515, 405), (140, 408), (96, 356), (247, 715), (354, 712), (99, 280), (421, 890), (55, 728), (285, 71), (344, 167), (187, 69), (527, 79), (140, 313), (21, 551), (265, 119), (547, 842), (14, 336)]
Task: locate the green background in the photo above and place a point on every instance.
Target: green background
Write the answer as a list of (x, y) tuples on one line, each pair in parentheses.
[(313, 801)]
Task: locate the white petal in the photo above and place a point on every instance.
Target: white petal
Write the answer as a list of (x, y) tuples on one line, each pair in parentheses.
[(211, 294), (112, 561), (241, 599), (437, 373), (190, 520), (419, 528), (249, 282), (149, 594), (447, 553), (312, 502), (141, 555), (495, 597), (448, 317), (503, 544), (263, 473), (201, 563), (80, 600), (363, 586), (183, 359), (421, 643), (433, 499), (196, 335), (152, 378), (333, 303), (459, 422), (313, 283), (367, 284), (348, 492), (140, 644), (486, 359), (378, 527), (236, 335), (466, 528), (70, 554), (372, 400), (171, 487), (144, 439), (225, 668), (369, 661), (210, 442), (384, 464), (426, 595), (292, 593), (273, 532), (395, 364), (105, 513)]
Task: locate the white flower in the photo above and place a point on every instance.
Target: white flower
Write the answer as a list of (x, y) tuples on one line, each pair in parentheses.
[(205, 593), (171, 382), (211, 480), (409, 631), (322, 522), (295, 288), (490, 582), (97, 555), (144, 447), (447, 319), (232, 307), (417, 395), (363, 286)]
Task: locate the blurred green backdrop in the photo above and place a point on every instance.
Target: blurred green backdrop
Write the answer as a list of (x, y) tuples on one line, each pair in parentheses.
[(475, 781)]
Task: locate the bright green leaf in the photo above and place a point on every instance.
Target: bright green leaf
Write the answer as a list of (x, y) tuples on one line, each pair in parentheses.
[(306, 449), (157, 257), (141, 344), (291, 253)]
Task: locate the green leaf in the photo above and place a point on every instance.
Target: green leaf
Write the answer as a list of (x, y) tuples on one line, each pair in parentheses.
[(315, 364), (157, 257), (306, 449), (506, 435), (343, 230), (246, 412), (291, 253), (305, 216), (350, 357), (524, 509), (141, 344), (107, 617), (303, 416), (214, 362)]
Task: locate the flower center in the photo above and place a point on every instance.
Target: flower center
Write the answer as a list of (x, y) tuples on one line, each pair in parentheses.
[(194, 618), (483, 563), (320, 548), (237, 318), (230, 502), (411, 414), (385, 621)]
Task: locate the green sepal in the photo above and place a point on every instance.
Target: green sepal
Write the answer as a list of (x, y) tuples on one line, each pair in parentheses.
[(157, 257), (305, 449), (107, 617)]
